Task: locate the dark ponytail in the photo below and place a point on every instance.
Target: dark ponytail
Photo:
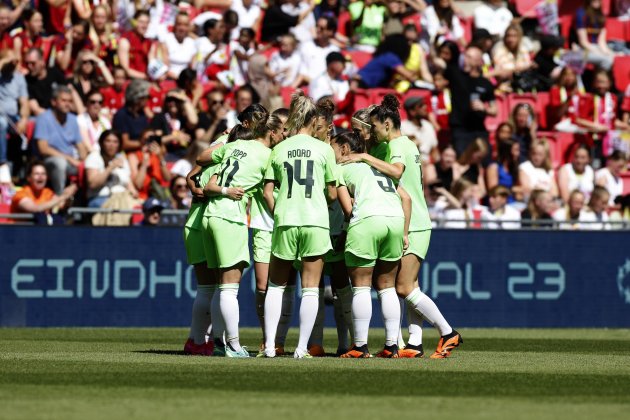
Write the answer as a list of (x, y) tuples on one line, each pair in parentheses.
[(388, 109)]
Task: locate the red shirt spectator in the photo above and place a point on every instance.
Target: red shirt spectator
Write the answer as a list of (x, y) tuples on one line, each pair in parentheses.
[(441, 108), (135, 50), (559, 96), (599, 109), (156, 98), (55, 12), (113, 99), (68, 47)]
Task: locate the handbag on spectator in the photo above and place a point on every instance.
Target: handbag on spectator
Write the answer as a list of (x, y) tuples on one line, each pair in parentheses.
[(118, 201)]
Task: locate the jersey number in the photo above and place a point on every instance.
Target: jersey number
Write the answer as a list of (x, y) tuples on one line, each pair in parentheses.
[(230, 175), (384, 181), (294, 173)]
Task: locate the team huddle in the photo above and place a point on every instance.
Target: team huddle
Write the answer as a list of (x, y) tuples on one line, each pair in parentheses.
[(349, 205)]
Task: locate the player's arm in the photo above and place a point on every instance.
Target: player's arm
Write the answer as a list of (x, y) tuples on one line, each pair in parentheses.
[(205, 157), (331, 192), (343, 195), (212, 189), (406, 205), (196, 191), (268, 195)]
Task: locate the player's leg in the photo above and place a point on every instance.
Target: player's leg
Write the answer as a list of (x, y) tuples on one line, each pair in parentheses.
[(342, 304), (262, 255), (384, 282), (211, 258), (286, 313), (360, 271), (316, 340)]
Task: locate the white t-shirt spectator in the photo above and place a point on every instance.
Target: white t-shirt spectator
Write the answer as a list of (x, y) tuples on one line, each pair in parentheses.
[(614, 186), (324, 85), (463, 218), (290, 67), (305, 30), (424, 137), (205, 47), (539, 178), (562, 215), (239, 68), (117, 181), (494, 19), (432, 24), (314, 58), (91, 131), (246, 17), (581, 182), (507, 218), (590, 216), (179, 54)]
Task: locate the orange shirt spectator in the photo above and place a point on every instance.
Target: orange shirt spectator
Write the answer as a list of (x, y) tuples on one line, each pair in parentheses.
[(36, 197)]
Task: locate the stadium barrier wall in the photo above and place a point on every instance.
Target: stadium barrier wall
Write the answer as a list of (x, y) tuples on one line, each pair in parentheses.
[(81, 276)]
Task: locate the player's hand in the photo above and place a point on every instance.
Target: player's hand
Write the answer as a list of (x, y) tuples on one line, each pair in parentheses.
[(405, 242), (236, 193), (198, 193)]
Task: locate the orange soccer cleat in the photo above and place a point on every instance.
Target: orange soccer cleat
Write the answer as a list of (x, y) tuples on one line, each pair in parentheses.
[(357, 353), (410, 352), (389, 352), (316, 351), (447, 344)]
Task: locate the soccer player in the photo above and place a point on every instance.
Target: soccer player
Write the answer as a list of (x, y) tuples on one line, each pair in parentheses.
[(242, 167), (377, 234), (401, 161), (304, 168)]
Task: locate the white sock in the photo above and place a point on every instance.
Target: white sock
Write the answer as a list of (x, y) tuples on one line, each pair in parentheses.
[(361, 314), (425, 307), (201, 313), (260, 308), (401, 340), (218, 326), (228, 301), (340, 322), (415, 327), (273, 308), (317, 336), (308, 314), (288, 301), (345, 297), (391, 314)]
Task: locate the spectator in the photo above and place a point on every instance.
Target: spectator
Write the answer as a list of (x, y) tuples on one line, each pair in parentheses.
[(31, 35), (596, 212), (57, 15), (68, 47), (589, 34), (105, 41), (419, 129), (397, 12), (249, 14), (131, 120), (59, 139), (212, 52), (499, 214), (537, 173), (564, 98), (148, 168), (41, 81), (441, 104), (504, 171), (331, 82), (315, 52), (546, 64), (493, 16), (14, 109), (184, 165), (625, 106), (328, 8), (114, 95), (368, 18), (442, 171), (442, 24), (572, 213), (504, 132), (107, 171), (512, 62), (6, 41), (230, 20), (243, 98), (277, 22), (482, 39), (177, 123), (35, 197), (152, 210), (135, 51), (388, 60), (90, 72), (468, 165), (92, 120), (416, 63), (304, 31), (285, 66), (180, 47), (438, 200), (576, 175), (538, 210), (242, 51), (610, 176), (180, 200), (466, 209), (472, 98), (213, 122), (525, 127)]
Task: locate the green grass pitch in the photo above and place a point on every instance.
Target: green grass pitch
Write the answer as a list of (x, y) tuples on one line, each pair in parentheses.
[(141, 373)]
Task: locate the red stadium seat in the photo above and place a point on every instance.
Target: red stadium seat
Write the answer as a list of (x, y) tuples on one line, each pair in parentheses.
[(569, 7), (344, 19), (286, 93), (616, 29), (621, 72), (5, 209), (361, 99), (542, 103), (503, 114), (359, 58), (626, 182), (561, 145), (565, 23), (526, 8)]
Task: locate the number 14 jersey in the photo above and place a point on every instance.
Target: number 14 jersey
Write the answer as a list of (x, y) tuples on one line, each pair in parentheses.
[(302, 166)]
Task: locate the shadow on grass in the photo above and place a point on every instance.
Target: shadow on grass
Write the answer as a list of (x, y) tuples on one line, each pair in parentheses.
[(529, 345), (162, 352)]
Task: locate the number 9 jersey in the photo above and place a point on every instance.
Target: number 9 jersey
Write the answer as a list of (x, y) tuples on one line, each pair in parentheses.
[(302, 166)]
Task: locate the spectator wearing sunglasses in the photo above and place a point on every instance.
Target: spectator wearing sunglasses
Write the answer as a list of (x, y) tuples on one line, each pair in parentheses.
[(214, 121), (180, 200), (90, 72), (92, 120)]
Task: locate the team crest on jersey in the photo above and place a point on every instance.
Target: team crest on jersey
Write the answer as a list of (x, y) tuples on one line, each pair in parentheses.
[(623, 281)]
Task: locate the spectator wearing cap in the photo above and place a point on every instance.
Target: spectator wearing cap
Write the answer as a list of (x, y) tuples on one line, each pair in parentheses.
[(331, 82), (131, 120), (135, 51), (494, 17), (59, 139), (152, 210), (41, 81), (546, 66), (13, 99), (315, 52), (419, 129)]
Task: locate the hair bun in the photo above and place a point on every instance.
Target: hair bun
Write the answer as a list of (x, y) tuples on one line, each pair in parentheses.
[(390, 102)]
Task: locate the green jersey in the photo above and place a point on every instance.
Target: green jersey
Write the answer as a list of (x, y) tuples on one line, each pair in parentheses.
[(259, 215), (302, 166), (374, 193), (380, 151), (242, 164), (402, 150)]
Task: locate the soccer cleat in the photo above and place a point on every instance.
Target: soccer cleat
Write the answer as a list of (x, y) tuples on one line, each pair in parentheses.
[(219, 350), (192, 349), (302, 354), (268, 354), (316, 351), (341, 351), (447, 344), (188, 347), (357, 353), (389, 352), (242, 353), (280, 351), (410, 352)]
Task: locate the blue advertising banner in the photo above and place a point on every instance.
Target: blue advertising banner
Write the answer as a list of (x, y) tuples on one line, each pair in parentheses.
[(81, 276)]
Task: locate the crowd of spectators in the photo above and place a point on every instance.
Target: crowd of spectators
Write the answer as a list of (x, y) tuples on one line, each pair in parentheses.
[(107, 103)]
